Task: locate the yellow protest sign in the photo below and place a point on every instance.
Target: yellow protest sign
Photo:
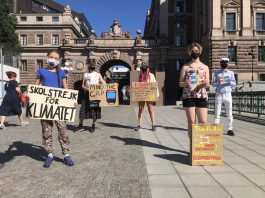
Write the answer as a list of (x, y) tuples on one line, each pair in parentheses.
[(144, 91), (107, 94), (50, 103), (207, 144)]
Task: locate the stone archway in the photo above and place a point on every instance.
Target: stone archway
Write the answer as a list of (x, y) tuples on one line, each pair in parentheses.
[(115, 56)]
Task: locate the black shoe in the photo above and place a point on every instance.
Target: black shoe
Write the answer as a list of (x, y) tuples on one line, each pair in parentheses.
[(92, 130), (154, 128), (230, 132), (79, 128), (138, 128)]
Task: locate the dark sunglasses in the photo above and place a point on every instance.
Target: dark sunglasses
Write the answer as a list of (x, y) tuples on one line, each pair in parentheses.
[(224, 61)]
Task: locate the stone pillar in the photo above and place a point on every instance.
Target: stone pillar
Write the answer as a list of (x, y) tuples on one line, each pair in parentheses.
[(160, 78), (134, 77), (163, 19), (216, 15), (246, 18)]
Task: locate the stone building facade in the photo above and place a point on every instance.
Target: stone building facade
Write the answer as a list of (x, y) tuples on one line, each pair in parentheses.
[(236, 29), (225, 28), (171, 22)]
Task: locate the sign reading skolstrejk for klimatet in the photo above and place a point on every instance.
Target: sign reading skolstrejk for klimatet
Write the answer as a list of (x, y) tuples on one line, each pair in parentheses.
[(50, 103)]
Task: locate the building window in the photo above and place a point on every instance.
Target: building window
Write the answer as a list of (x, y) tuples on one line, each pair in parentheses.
[(180, 41), (23, 39), (260, 21), (262, 77), (39, 40), (24, 65), (39, 64), (23, 18), (179, 24), (55, 19), (230, 21), (39, 18), (180, 7), (232, 54), (55, 40), (179, 64), (261, 54)]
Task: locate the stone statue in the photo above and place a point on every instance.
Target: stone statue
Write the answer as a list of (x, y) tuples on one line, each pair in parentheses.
[(116, 31)]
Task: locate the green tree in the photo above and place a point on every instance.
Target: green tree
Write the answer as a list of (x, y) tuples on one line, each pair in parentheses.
[(8, 37)]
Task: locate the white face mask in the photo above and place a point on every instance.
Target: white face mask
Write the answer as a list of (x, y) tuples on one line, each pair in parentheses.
[(52, 62)]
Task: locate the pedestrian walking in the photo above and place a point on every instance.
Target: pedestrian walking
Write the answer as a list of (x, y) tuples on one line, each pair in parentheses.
[(223, 81), (90, 109), (11, 104), (194, 78), (53, 76), (146, 76)]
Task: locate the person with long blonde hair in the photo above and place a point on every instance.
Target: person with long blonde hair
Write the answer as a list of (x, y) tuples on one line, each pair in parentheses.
[(194, 78)]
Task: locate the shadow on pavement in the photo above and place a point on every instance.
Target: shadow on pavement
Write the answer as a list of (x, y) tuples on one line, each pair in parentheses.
[(173, 128), (19, 148), (133, 141), (183, 159), (116, 125)]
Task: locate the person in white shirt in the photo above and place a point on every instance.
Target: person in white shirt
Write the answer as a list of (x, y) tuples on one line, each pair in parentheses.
[(89, 109), (223, 81)]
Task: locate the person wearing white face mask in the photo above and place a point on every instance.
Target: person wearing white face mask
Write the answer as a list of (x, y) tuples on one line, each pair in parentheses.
[(223, 80), (53, 76)]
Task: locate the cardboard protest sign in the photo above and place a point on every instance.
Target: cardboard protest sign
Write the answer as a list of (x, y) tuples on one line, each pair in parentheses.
[(107, 94), (144, 91), (207, 144), (50, 103)]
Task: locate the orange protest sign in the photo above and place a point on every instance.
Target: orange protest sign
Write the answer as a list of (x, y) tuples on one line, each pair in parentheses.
[(144, 91), (207, 144)]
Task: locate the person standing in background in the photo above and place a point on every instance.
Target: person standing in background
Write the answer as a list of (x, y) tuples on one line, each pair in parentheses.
[(223, 81)]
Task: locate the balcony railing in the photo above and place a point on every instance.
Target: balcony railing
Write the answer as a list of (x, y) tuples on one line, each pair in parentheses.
[(245, 102)]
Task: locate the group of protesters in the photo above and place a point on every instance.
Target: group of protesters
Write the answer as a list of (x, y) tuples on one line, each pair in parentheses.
[(194, 78)]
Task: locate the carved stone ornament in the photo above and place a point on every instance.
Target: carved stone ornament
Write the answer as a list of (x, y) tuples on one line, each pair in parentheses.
[(116, 31), (80, 65)]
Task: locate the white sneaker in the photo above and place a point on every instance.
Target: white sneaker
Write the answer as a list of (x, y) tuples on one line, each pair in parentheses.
[(2, 126), (25, 123)]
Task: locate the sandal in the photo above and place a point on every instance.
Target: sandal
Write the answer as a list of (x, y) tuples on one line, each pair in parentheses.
[(25, 123)]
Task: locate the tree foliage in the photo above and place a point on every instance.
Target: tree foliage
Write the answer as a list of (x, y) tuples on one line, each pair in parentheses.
[(8, 37)]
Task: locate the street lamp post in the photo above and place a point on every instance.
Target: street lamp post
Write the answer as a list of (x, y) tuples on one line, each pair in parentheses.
[(252, 57)]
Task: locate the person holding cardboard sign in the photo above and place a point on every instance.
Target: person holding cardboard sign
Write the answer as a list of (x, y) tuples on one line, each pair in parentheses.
[(223, 80), (194, 78), (54, 76), (90, 109), (146, 76)]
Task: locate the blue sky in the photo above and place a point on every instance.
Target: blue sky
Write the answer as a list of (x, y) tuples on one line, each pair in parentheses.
[(100, 13)]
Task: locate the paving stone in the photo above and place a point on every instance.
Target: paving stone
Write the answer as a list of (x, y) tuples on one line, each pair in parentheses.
[(246, 192), (208, 192)]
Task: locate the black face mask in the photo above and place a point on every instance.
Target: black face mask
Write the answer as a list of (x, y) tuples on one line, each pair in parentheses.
[(144, 69), (195, 55), (224, 65)]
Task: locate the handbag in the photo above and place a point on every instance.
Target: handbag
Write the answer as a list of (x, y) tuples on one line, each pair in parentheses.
[(22, 97)]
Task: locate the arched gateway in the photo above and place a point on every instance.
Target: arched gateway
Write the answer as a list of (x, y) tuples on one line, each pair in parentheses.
[(112, 48)]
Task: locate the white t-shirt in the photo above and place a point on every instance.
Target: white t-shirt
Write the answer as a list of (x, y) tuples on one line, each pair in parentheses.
[(91, 78)]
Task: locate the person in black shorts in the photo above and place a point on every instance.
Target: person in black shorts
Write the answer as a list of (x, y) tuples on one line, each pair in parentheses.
[(194, 78)]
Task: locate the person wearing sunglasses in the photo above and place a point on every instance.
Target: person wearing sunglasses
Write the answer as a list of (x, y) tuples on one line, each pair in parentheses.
[(223, 81)]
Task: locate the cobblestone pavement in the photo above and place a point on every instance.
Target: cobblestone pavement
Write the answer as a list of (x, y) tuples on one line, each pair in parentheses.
[(116, 161), (108, 163)]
